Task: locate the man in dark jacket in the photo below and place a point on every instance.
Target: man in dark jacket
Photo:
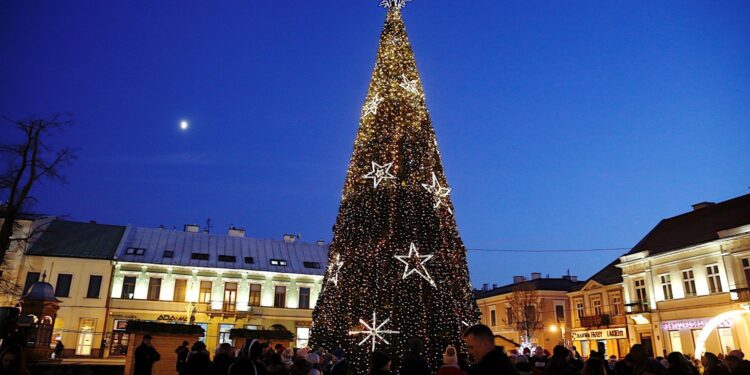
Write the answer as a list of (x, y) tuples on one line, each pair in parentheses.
[(488, 358), (182, 353), (145, 356), (340, 364), (413, 363)]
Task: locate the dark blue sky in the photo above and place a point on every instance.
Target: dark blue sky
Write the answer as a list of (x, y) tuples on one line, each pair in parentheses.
[(562, 124)]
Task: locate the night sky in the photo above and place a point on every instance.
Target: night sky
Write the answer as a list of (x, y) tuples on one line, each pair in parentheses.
[(562, 125)]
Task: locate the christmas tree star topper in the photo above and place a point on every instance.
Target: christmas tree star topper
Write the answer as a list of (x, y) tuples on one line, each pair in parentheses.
[(380, 173), (416, 261), (393, 4), (373, 331)]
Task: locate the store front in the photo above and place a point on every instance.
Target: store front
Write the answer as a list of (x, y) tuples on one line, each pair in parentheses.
[(610, 341), (682, 335)]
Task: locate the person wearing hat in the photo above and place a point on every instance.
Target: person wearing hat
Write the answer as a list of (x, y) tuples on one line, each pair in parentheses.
[(450, 363), (145, 356), (340, 364), (381, 363), (249, 361)]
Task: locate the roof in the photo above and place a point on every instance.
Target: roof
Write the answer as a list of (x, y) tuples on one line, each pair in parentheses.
[(154, 242), (73, 239), (610, 274), (553, 284), (695, 227)]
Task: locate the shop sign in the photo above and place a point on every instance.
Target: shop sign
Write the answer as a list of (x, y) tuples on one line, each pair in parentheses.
[(172, 318), (120, 325), (676, 325), (601, 334)]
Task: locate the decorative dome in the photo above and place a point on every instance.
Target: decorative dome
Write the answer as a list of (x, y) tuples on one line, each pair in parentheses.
[(41, 291)]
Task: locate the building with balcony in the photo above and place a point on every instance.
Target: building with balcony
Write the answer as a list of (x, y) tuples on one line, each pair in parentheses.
[(548, 305), (217, 282), (598, 315), (686, 282)]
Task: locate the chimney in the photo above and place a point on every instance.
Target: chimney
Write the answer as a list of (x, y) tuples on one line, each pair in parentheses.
[(320, 242), (700, 205), (192, 228), (536, 275), (290, 238), (485, 287), (236, 232), (518, 279), (494, 286), (570, 278)]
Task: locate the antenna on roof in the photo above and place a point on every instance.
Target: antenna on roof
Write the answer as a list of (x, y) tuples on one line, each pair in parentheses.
[(208, 226)]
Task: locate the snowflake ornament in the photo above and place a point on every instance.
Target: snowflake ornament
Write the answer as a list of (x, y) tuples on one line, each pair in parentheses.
[(416, 262), (373, 331), (379, 173), (438, 191)]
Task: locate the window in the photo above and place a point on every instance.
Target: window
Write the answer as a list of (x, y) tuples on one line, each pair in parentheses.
[(251, 327), (674, 339), (230, 296), (128, 287), (640, 291), (180, 290), (254, 299), (509, 315), (249, 260), (303, 335), (199, 256), (168, 254), (31, 278), (62, 289), (204, 294), (95, 286), (560, 313), (726, 339), (493, 317), (135, 251), (666, 285), (311, 264), (616, 304), (688, 282), (714, 279), (154, 289), (278, 262), (746, 270), (86, 328), (205, 329), (304, 298), (279, 298), (224, 333), (596, 304), (579, 309), (227, 258)]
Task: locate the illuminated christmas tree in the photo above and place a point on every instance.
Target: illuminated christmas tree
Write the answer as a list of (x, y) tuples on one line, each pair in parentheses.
[(397, 265)]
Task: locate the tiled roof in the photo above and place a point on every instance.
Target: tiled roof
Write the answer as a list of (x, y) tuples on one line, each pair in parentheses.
[(73, 239), (608, 275), (155, 242), (695, 227), (553, 284)]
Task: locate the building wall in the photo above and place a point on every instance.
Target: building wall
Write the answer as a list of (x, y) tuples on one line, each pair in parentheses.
[(602, 337)]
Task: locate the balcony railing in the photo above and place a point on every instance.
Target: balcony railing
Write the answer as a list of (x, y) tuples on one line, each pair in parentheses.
[(638, 307), (595, 320)]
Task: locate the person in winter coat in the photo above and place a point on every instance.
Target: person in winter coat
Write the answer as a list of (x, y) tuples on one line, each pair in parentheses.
[(222, 360), (145, 356), (594, 366), (198, 360), (12, 360), (249, 361), (450, 363), (182, 352), (413, 363), (489, 359), (340, 364), (561, 362), (679, 365), (380, 363), (736, 363), (712, 365), (522, 365)]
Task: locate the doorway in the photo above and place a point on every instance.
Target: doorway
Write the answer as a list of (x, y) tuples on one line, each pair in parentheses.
[(647, 344)]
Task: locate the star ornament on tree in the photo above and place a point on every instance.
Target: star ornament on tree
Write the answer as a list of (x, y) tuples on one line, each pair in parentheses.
[(334, 268), (379, 173), (371, 107), (409, 85), (438, 191), (416, 262), (373, 331)]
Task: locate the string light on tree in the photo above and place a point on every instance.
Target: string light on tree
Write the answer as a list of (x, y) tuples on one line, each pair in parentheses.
[(379, 173), (416, 262), (373, 331), (438, 191), (371, 107)]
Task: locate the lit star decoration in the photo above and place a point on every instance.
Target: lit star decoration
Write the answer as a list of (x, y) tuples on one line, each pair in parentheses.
[(438, 191), (373, 331), (380, 173), (334, 268), (371, 107), (393, 4), (409, 86), (416, 261)]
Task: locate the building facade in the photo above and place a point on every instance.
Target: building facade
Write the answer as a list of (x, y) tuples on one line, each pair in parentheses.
[(598, 320), (550, 305), (686, 283)]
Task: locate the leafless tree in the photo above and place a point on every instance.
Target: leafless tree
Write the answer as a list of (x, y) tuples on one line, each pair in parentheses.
[(525, 311), (29, 162)]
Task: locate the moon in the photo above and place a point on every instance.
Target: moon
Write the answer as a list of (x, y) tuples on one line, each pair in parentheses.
[(184, 125)]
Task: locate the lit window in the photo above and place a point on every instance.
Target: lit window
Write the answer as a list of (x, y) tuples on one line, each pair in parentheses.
[(714, 279), (303, 335), (230, 296), (180, 290), (688, 282), (616, 304), (579, 308), (279, 297), (154, 289), (135, 251), (224, 330), (204, 294), (596, 304), (254, 299), (666, 285), (278, 262)]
